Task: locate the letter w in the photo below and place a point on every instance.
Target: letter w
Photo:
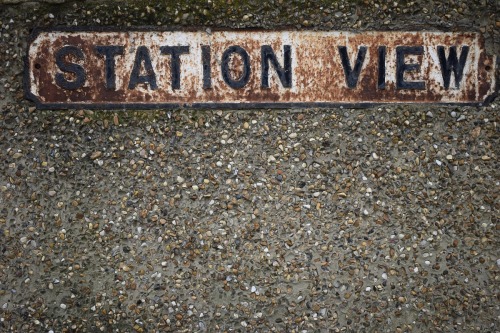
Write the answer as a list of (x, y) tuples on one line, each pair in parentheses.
[(452, 64)]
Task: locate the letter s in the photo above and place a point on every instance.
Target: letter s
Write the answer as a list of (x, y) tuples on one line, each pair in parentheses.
[(69, 67)]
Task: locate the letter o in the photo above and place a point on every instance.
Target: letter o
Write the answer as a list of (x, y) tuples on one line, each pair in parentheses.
[(226, 57)]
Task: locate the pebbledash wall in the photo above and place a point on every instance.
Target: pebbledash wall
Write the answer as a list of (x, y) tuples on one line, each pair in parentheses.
[(381, 219)]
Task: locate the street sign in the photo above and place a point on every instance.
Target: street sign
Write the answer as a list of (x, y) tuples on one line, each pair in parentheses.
[(150, 68)]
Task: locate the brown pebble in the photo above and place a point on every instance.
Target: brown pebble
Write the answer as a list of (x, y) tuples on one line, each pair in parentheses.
[(95, 155)]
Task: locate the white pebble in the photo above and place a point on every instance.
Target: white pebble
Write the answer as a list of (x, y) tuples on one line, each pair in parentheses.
[(63, 306)]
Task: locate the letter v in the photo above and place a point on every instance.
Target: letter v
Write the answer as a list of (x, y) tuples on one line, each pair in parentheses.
[(352, 75)]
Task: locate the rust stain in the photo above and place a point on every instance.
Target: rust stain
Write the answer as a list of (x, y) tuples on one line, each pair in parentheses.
[(318, 72)]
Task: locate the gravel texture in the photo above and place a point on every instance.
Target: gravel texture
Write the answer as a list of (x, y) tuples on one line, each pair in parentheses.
[(304, 220)]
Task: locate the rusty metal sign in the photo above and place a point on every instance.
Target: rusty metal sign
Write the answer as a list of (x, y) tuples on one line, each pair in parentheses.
[(148, 68)]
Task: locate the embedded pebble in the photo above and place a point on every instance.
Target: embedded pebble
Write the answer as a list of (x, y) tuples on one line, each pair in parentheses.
[(95, 155)]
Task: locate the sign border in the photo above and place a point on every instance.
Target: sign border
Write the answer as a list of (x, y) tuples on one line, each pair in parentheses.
[(231, 105)]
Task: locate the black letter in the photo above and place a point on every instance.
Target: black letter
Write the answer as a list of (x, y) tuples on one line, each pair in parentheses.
[(284, 74), (402, 67), (109, 53), (70, 67), (226, 56), (351, 76), (175, 67), (452, 64), (142, 54), (207, 69), (382, 50)]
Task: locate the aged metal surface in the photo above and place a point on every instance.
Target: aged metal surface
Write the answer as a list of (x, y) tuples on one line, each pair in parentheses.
[(154, 68)]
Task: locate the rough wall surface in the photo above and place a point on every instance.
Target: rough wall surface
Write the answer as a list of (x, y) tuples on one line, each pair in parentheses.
[(303, 220)]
